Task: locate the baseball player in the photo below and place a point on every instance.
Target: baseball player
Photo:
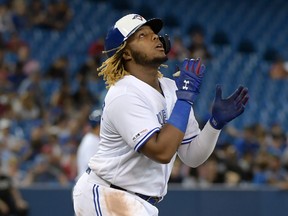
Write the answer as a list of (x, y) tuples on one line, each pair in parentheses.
[(147, 120), (89, 143)]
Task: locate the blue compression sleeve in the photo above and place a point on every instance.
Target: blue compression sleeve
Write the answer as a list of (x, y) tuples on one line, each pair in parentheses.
[(180, 115)]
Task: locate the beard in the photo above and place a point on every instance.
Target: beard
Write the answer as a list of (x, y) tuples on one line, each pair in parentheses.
[(143, 59)]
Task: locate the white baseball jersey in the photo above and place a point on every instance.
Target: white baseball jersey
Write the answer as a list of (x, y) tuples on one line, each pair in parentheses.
[(87, 148), (132, 113)]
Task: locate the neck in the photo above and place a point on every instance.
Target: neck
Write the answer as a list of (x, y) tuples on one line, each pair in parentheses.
[(147, 75)]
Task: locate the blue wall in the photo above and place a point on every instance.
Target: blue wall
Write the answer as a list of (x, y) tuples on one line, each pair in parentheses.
[(217, 201), (49, 201), (225, 202)]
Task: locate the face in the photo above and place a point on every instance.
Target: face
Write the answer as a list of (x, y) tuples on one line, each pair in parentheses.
[(145, 47)]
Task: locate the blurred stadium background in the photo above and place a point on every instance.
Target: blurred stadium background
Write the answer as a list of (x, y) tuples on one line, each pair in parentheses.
[(245, 39)]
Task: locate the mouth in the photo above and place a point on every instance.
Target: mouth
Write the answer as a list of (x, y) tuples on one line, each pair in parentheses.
[(160, 47)]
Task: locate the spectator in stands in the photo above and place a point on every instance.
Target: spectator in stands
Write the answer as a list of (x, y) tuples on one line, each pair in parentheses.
[(37, 139), (15, 171), (16, 76), (260, 167), (178, 50), (6, 21), (60, 104), (245, 164), (208, 173), (88, 71), (279, 69), (198, 47), (230, 172), (6, 86), (22, 66), (25, 107), (276, 175), (96, 47), (57, 15), (19, 14), (42, 172), (59, 69), (89, 143), (276, 142), (11, 200), (83, 96), (88, 75), (14, 43), (11, 145), (248, 143), (36, 15), (63, 14), (6, 92), (32, 84)]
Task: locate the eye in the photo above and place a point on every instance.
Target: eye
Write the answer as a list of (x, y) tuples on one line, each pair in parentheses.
[(141, 35)]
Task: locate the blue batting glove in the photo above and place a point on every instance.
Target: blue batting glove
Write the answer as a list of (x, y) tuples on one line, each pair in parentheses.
[(189, 80), (225, 110)]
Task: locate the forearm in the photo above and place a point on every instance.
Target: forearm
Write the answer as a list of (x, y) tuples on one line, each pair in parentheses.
[(162, 146), (198, 151)]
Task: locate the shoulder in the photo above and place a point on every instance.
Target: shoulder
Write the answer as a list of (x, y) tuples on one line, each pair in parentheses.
[(124, 85), (128, 86)]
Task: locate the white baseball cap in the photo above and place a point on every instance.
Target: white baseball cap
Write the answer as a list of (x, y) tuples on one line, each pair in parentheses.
[(125, 27)]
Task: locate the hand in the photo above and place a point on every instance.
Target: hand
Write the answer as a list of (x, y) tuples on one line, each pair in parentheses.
[(189, 80), (225, 110)]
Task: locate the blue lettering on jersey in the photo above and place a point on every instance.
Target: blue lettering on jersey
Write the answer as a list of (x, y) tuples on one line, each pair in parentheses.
[(162, 117)]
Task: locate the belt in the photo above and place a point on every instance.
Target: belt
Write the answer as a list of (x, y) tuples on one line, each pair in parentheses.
[(151, 199)]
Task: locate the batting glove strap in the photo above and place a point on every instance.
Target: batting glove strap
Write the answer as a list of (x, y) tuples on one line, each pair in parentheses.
[(215, 124), (180, 115), (186, 96)]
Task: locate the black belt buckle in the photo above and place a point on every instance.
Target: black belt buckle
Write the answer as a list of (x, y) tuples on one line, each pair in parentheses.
[(152, 200)]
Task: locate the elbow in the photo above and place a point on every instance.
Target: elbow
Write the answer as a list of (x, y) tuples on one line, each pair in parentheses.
[(164, 161), (195, 164), (192, 162)]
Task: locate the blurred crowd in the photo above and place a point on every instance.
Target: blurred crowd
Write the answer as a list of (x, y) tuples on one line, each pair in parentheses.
[(254, 156), (44, 114)]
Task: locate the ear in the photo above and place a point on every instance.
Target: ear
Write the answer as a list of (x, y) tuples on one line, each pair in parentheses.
[(127, 55)]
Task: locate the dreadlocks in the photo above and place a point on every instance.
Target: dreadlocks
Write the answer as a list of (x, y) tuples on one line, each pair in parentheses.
[(113, 69)]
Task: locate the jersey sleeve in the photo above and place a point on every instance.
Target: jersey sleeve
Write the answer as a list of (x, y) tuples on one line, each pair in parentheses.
[(133, 119)]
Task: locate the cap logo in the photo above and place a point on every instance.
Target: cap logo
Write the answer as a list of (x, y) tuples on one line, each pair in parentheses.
[(137, 16)]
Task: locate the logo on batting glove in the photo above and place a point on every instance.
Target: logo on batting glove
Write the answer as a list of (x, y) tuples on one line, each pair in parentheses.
[(185, 87)]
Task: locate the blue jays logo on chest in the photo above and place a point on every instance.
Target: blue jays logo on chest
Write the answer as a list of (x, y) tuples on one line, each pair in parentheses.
[(162, 117)]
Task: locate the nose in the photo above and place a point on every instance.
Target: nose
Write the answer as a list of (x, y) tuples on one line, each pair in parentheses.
[(155, 36)]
